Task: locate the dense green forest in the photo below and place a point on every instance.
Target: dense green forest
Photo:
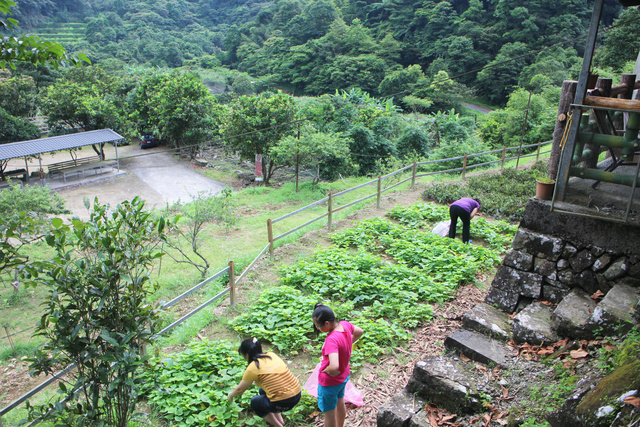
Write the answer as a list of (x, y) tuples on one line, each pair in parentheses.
[(314, 47), (370, 82)]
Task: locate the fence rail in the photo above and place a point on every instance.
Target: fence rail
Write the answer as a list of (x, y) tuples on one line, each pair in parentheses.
[(230, 289), (380, 190)]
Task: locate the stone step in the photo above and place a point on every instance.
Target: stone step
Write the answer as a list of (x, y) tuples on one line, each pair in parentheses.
[(489, 320), (615, 313), (571, 316), (450, 383), (399, 410), (533, 325), (480, 348)]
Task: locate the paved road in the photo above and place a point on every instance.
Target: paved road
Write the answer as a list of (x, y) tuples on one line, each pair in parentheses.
[(153, 175), (478, 108)]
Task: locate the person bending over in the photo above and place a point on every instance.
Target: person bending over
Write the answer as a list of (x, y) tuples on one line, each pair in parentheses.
[(465, 209), (279, 390)]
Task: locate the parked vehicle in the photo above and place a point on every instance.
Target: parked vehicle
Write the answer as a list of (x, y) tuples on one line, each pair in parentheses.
[(148, 141)]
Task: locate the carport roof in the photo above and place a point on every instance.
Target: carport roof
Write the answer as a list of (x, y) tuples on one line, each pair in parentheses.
[(34, 147)]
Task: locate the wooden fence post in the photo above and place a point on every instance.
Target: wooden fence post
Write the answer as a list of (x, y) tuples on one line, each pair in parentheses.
[(379, 188), (413, 176), (504, 155), (329, 211), (538, 152), (464, 166), (270, 237), (232, 284)]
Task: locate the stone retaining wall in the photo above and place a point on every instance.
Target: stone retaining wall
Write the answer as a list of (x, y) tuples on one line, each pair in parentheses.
[(573, 252)]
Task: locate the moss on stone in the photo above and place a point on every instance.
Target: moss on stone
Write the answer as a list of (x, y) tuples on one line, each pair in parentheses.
[(620, 381), (630, 349)]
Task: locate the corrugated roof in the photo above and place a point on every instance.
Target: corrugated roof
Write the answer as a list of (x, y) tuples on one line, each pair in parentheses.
[(34, 147)]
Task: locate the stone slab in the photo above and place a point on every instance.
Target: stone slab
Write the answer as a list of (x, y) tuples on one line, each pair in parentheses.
[(571, 317), (480, 348), (533, 325), (614, 314), (449, 383), (399, 410), (488, 320)]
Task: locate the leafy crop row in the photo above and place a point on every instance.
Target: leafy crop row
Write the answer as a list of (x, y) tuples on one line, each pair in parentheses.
[(497, 235), (443, 260), (190, 388), (503, 195), (379, 275)]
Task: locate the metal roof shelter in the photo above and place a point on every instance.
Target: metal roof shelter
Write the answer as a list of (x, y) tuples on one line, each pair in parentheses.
[(35, 147)]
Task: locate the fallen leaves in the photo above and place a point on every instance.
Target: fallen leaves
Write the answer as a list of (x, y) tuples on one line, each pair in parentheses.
[(632, 400), (440, 417), (597, 296)]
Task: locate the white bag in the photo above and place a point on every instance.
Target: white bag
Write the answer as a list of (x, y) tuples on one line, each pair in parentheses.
[(442, 228)]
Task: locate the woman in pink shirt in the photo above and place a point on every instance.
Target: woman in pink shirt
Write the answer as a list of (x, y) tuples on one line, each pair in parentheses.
[(334, 367)]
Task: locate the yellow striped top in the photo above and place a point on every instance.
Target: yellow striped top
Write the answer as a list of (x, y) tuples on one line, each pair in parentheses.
[(273, 377)]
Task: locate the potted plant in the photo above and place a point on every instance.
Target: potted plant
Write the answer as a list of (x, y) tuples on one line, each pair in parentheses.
[(544, 188)]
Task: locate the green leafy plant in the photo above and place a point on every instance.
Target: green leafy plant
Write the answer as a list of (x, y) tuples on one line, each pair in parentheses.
[(190, 388), (497, 235), (503, 195), (96, 314), (282, 316)]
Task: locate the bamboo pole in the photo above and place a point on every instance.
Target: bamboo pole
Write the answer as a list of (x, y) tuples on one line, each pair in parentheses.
[(566, 99)]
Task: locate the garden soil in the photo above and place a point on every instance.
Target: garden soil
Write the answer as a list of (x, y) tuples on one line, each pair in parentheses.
[(149, 176)]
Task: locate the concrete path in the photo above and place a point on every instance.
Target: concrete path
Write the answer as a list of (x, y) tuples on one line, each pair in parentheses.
[(155, 175)]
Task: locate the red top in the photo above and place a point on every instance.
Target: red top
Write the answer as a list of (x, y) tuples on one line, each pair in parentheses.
[(337, 342)]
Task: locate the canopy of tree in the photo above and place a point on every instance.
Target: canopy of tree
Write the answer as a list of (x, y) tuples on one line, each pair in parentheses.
[(317, 46)]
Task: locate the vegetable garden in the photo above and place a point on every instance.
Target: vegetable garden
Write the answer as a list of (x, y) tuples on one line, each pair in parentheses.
[(383, 275)]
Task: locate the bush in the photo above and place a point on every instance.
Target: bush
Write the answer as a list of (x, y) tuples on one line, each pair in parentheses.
[(503, 195), (32, 199)]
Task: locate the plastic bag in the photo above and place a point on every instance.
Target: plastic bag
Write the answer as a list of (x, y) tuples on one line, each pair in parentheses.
[(442, 228), (351, 393)]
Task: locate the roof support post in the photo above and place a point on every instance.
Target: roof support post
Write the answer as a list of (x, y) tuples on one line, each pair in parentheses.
[(581, 91)]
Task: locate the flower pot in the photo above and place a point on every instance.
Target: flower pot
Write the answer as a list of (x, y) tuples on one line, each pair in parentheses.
[(544, 190)]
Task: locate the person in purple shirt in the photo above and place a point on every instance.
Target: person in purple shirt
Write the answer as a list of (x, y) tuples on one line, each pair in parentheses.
[(465, 209)]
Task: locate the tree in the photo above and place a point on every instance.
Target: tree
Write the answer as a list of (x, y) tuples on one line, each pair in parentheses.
[(14, 129), (179, 107), (312, 149), (30, 48), (205, 208), (16, 231), (36, 201), (504, 127), (97, 314), (18, 95), (505, 68), (621, 42), (255, 125)]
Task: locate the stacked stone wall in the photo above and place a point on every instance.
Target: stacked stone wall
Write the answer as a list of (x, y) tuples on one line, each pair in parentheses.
[(554, 254)]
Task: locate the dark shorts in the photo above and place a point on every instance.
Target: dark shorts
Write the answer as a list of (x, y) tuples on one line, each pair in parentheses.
[(263, 406)]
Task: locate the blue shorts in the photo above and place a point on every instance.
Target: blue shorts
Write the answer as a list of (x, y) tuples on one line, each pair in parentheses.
[(328, 396)]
